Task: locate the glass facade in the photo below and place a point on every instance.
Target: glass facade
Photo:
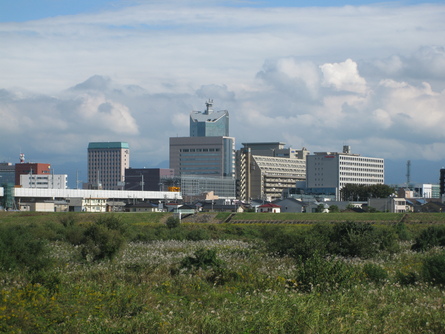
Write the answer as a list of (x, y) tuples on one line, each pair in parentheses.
[(192, 185), (209, 123)]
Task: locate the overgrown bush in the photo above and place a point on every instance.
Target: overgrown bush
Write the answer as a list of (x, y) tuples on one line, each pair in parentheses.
[(172, 222), (202, 258), (297, 243), (103, 239), (333, 208), (198, 234), (49, 279), (433, 269), (354, 239), (375, 273), (431, 237), (402, 232), (20, 249), (408, 278), (324, 273), (213, 269), (350, 239)]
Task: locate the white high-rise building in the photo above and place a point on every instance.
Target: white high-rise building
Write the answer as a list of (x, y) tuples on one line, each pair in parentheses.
[(335, 170)]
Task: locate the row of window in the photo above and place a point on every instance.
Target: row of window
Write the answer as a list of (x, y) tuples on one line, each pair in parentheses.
[(199, 150), (352, 158), (362, 179)]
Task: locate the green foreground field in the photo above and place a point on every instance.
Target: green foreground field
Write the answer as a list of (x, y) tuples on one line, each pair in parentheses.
[(131, 273), (156, 217)]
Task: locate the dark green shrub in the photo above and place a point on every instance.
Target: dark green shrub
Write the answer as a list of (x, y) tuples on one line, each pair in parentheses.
[(387, 239), (68, 220), (325, 274), (409, 278), (297, 243), (333, 208), (20, 249), (354, 239), (402, 232), (103, 239), (113, 223), (202, 258), (74, 234), (431, 237), (433, 269), (375, 273), (172, 222), (198, 234), (50, 280)]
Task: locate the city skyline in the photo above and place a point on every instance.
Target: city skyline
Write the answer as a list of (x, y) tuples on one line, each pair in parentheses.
[(369, 75)]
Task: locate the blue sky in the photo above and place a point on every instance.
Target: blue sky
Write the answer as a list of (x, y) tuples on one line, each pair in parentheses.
[(25, 10), (370, 75)]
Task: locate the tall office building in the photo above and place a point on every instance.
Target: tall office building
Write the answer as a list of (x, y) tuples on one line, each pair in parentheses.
[(107, 162), (209, 123), (335, 170), (209, 152), (204, 156)]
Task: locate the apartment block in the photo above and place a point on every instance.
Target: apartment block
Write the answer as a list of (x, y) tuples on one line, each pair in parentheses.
[(266, 170)]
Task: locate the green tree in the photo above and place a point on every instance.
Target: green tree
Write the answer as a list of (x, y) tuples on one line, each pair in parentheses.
[(319, 208), (172, 222), (334, 208), (362, 192)]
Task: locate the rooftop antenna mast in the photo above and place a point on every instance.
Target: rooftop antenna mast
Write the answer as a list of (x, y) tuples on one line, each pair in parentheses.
[(408, 173), (209, 105)]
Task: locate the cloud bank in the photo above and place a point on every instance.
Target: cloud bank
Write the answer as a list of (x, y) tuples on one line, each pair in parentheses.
[(368, 76)]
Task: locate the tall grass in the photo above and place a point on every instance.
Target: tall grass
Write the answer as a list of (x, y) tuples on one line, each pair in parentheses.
[(230, 284)]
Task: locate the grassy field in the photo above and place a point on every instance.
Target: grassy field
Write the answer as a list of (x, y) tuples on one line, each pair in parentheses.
[(211, 278), (155, 217)]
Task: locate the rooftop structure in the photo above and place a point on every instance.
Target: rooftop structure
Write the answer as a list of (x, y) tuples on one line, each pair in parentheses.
[(209, 123), (276, 149)]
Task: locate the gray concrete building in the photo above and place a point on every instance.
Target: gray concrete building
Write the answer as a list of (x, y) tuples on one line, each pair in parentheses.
[(204, 156)]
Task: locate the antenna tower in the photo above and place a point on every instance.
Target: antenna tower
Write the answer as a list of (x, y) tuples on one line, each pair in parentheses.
[(408, 173)]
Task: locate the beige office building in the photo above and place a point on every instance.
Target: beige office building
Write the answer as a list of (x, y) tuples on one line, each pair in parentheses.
[(107, 162)]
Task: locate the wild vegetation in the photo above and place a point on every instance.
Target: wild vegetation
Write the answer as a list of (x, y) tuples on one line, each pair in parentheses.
[(107, 274)]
